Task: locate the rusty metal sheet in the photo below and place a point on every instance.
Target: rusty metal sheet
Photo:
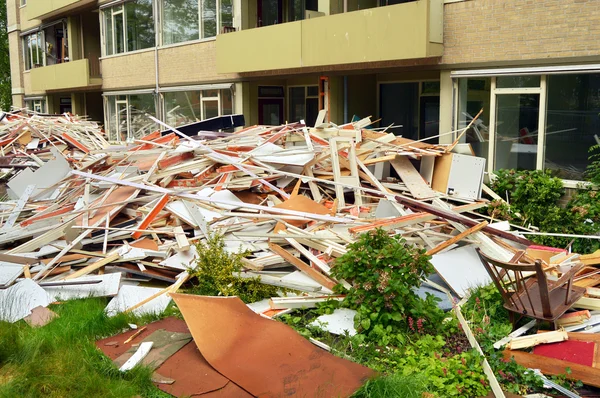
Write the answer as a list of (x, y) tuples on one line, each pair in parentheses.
[(265, 357)]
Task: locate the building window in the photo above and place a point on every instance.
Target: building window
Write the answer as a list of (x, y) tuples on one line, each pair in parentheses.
[(33, 50), (304, 104), (23, 3), (185, 20), (127, 116), (128, 27), (56, 43), (37, 105), (474, 95), (572, 123), (535, 121), (184, 107)]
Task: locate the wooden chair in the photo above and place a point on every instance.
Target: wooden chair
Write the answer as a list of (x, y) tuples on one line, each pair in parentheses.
[(534, 296)]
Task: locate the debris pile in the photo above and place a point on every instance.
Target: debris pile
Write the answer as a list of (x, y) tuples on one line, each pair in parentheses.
[(86, 217)]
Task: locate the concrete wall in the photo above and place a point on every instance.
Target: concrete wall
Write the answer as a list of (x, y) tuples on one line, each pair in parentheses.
[(479, 31)]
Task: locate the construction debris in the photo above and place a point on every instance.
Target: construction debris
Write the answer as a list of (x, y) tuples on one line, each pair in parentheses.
[(87, 217)]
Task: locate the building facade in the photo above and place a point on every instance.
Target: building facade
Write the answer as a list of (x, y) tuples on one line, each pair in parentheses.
[(422, 68)]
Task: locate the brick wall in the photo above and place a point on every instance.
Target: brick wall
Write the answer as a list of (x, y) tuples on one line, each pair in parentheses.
[(516, 30)]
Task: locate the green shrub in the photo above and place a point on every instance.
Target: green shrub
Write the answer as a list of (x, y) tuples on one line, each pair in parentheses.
[(384, 270), (533, 198), (216, 270)]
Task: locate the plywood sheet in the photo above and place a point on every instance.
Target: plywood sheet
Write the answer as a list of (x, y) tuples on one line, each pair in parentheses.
[(192, 374), (412, 179), (264, 357)]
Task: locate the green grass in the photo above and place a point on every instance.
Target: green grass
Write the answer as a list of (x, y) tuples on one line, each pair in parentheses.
[(393, 386), (61, 360)]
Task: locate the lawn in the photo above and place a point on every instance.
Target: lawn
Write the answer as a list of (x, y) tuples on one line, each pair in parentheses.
[(61, 360)]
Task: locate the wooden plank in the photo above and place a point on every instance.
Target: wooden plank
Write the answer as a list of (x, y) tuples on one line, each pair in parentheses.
[(456, 239), (495, 386), (411, 178), (92, 267), (302, 266), (556, 367), (182, 240), (453, 216), (536, 339), (588, 303)]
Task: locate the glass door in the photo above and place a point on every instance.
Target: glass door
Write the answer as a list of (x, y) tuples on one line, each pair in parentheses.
[(517, 131), (517, 115)]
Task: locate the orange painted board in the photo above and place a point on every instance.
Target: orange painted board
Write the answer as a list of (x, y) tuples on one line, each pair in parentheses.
[(151, 216)]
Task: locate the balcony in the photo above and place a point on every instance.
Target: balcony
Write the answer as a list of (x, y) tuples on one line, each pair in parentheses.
[(82, 73), (44, 9), (398, 32)]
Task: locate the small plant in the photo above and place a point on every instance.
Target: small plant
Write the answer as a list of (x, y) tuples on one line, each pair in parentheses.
[(384, 270), (216, 271)]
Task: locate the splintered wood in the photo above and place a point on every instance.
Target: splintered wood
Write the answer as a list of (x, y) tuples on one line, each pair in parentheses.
[(88, 216)]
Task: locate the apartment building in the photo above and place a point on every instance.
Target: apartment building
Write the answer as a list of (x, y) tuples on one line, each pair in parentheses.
[(421, 67)]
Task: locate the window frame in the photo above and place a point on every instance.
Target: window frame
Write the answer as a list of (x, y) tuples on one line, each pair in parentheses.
[(121, 9), (218, 98), (306, 96), (26, 48), (544, 72), (218, 22)]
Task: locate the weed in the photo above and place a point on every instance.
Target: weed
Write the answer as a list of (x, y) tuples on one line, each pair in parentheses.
[(216, 271)]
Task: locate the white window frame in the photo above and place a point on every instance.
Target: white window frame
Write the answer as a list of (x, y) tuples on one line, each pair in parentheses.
[(220, 89), (201, 36), (543, 72), (25, 42), (37, 102), (23, 3)]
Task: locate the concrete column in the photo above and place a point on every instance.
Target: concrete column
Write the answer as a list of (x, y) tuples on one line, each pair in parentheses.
[(242, 100), (446, 107)]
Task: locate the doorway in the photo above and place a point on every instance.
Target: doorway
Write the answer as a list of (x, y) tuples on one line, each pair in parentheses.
[(64, 105), (270, 111)]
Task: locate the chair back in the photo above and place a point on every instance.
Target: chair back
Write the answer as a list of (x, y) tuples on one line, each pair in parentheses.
[(515, 288)]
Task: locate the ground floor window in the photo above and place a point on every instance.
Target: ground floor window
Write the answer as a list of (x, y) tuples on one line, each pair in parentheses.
[(126, 116), (36, 105), (545, 121), (184, 107), (572, 123), (270, 105), (304, 104)]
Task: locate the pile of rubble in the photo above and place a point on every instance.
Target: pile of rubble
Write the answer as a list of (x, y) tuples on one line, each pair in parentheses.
[(86, 217)]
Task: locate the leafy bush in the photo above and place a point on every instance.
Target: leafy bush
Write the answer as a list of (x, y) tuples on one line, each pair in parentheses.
[(533, 198), (384, 270), (216, 271)]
